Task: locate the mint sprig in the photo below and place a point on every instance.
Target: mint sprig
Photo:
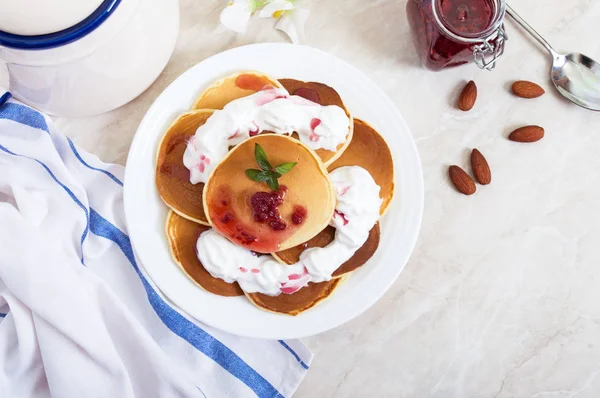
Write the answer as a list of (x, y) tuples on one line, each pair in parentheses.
[(267, 173)]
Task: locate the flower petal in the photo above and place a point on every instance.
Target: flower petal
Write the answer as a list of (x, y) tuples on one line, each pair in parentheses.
[(292, 24), (275, 8), (236, 15)]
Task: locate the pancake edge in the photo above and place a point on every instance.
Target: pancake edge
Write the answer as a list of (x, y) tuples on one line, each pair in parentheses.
[(196, 111), (338, 282), (220, 82), (181, 265)]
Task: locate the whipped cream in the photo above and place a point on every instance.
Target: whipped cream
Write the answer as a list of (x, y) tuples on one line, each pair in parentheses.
[(272, 109), (225, 260), (356, 212)]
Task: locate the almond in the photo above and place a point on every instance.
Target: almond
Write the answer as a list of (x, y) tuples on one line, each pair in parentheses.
[(526, 89), (467, 98), (527, 134), (481, 168), (461, 180)]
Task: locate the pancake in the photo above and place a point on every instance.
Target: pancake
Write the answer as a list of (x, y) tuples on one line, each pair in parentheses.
[(369, 150), (183, 234), (293, 304), (228, 195), (324, 95), (172, 177), (233, 87), (325, 237)]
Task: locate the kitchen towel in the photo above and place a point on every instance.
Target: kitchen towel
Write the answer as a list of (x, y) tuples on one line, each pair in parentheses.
[(78, 315)]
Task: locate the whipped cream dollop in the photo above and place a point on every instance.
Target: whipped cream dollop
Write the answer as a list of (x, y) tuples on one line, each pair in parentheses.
[(272, 109), (356, 212), (255, 274)]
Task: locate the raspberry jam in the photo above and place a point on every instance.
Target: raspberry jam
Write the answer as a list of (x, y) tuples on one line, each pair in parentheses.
[(233, 216), (251, 82), (265, 204), (299, 215), (253, 219), (455, 32)]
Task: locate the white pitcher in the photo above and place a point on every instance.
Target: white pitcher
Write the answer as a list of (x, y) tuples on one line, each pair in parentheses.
[(84, 57)]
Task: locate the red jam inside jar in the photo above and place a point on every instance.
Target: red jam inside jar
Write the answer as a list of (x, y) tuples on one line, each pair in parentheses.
[(448, 32)]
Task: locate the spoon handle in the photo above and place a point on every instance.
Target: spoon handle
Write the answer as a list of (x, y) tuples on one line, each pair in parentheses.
[(530, 30)]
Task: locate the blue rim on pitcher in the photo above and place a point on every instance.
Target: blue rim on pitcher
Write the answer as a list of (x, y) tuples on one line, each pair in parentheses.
[(65, 36)]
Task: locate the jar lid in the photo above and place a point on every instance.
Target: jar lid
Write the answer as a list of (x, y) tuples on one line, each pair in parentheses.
[(40, 24)]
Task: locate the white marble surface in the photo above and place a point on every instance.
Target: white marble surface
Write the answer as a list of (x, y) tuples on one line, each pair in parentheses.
[(500, 298)]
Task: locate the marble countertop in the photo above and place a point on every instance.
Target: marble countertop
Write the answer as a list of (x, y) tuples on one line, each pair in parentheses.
[(500, 297)]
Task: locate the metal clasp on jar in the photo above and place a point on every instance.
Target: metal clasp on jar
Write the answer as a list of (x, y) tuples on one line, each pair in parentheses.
[(487, 53)]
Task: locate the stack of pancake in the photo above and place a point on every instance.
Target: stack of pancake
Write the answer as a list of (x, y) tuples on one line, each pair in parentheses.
[(190, 205)]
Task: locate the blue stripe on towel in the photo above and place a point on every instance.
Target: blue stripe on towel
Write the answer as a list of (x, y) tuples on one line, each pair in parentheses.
[(179, 325), (3, 315), (67, 190), (287, 347), (32, 118), (108, 173), (24, 115), (5, 97)]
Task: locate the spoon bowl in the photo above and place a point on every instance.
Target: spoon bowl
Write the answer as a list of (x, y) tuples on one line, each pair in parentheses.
[(577, 77)]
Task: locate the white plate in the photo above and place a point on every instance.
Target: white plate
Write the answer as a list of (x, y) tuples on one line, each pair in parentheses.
[(146, 213)]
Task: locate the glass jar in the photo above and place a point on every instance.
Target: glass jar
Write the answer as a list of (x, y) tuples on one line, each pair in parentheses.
[(455, 32)]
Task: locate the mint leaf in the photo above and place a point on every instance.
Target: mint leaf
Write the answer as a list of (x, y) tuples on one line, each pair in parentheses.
[(258, 175), (286, 167), (273, 183), (267, 173), (261, 157)]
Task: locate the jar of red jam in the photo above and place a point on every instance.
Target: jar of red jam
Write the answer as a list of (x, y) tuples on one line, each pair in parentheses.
[(455, 32)]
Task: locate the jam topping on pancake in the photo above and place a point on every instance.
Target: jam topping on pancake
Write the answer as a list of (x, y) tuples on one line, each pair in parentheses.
[(252, 216)]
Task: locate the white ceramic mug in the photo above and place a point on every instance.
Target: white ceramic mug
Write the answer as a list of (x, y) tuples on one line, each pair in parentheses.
[(96, 65)]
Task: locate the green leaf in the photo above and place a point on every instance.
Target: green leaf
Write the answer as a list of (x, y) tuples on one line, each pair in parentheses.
[(258, 175), (267, 173), (273, 183), (286, 167), (261, 157)]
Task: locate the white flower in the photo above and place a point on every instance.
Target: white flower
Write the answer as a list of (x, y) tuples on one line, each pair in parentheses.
[(290, 20), (276, 8), (237, 14), (292, 24)]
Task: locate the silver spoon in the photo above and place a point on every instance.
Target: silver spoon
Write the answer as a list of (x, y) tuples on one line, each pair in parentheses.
[(576, 76)]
